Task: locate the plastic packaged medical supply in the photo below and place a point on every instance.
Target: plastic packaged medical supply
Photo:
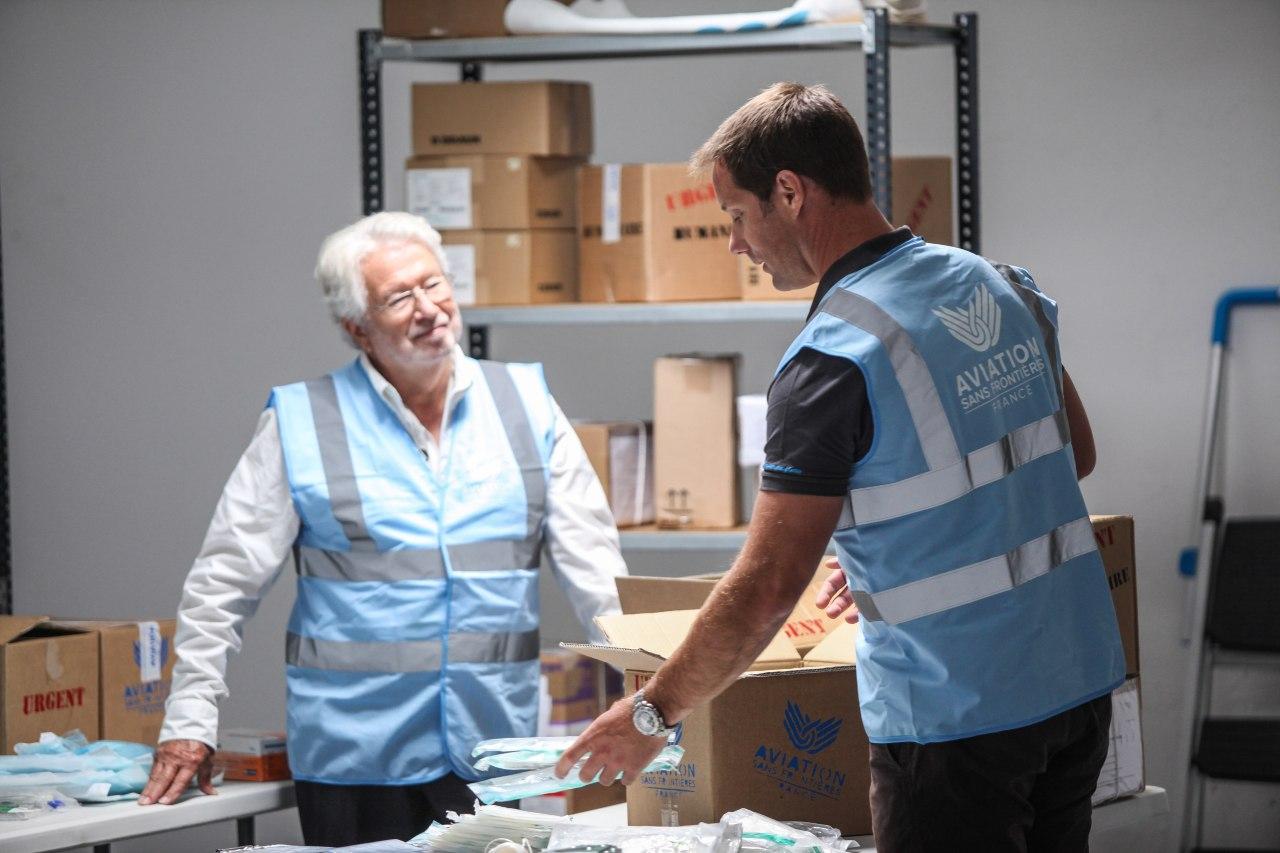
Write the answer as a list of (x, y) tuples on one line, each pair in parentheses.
[(762, 834), (516, 744), (488, 829), (702, 838), (543, 780), (97, 771), (26, 803)]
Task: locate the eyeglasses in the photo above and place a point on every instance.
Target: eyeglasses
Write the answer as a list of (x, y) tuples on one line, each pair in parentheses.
[(435, 289)]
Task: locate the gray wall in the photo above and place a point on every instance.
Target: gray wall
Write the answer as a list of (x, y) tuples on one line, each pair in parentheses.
[(167, 170)]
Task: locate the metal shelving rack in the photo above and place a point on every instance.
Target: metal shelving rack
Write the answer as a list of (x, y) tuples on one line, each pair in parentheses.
[(876, 36)]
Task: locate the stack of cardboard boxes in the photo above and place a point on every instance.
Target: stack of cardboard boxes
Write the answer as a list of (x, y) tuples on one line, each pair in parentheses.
[(107, 679), (495, 171)]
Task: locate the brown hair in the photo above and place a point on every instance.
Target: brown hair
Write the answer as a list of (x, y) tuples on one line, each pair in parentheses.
[(790, 126)]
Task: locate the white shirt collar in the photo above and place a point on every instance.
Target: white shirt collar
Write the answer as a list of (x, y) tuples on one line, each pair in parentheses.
[(460, 380)]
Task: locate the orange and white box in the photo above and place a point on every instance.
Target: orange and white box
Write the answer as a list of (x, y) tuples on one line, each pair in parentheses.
[(253, 755)]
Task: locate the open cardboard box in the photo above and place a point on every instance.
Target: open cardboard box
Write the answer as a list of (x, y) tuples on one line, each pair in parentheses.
[(785, 739)]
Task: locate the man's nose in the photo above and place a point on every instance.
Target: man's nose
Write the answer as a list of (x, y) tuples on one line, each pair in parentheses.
[(737, 245)]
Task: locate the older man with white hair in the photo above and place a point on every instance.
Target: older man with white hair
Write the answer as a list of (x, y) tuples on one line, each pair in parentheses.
[(416, 488)]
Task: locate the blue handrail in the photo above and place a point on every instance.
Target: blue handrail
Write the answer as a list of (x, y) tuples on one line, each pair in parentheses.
[(1239, 296)]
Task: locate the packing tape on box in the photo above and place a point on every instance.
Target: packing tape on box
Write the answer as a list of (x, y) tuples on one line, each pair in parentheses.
[(150, 651), (52, 661)]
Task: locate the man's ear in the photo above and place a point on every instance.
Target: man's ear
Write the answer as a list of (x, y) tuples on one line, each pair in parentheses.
[(789, 191), (357, 333)]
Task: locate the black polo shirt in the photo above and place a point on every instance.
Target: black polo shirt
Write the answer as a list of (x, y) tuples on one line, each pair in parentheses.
[(819, 420)]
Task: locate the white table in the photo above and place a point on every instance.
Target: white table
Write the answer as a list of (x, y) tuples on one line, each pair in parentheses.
[(1142, 816), (104, 823)]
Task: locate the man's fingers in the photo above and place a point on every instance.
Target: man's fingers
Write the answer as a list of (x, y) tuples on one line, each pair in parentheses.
[(832, 563), (179, 784), (830, 587), (594, 764), (205, 776), (570, 758), (161, 776), (839, 603), (852, 616)]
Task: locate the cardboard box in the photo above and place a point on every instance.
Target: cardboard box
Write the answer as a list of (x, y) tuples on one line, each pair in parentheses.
[(806, 627), (652, 233), (921, 197), (48, 679), (621, 452), (695, 441), (512, 267), (252, 755), (135, 661), (1114, 534), (529, 117), (578, 689), (784, 739), (421, 19), (1124, 771), (500, 192), (756, 285)]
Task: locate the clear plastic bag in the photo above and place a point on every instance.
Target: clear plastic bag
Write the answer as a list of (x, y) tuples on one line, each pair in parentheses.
[(26, 803), (543, 780), (575, 838), (518, 744), (761, 834)]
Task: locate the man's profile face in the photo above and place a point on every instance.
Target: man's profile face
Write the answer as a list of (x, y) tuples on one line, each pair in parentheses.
[(420, 330), (760, 232)]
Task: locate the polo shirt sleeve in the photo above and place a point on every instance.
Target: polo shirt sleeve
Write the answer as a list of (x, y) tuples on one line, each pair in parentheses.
[(818, 425)]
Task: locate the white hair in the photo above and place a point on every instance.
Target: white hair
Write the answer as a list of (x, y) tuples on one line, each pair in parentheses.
[(342, 253)]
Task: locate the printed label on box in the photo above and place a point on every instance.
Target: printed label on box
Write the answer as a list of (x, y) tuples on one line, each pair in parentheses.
[(441, 196), (462, 269), (150, 651), (611, 204)]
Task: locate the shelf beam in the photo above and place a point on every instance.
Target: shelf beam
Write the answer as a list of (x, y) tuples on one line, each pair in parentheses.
[(631, 313), (570, 47)]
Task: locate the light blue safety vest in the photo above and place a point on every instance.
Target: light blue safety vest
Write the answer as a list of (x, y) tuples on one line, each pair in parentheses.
[(965, 539), (415, 630)]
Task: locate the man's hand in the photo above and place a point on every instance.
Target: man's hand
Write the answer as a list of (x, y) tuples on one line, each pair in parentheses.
[(834, 598), (612, 746), (175, 763)]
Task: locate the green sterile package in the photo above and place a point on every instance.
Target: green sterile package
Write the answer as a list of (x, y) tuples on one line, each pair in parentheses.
[(543, 780)]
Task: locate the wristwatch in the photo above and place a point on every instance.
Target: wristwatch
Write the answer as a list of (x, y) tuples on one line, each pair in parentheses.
[(647, 718)]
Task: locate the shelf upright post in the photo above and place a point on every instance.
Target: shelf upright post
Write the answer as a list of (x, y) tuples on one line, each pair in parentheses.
[(876, 48), (470, 71), (371, 120), (6, 553), (968, 173)]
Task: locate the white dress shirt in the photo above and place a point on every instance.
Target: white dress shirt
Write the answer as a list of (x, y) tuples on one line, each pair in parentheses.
[(255, 524)]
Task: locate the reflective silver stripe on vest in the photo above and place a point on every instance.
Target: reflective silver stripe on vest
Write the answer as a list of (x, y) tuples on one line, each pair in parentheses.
[(520, 434), (418, 656), (977, 581), (335, 456), (411, 565), (1031, 299), (388, 566), (932, 427), (414, 656), (497, 555), (493, 648), (979, 468)]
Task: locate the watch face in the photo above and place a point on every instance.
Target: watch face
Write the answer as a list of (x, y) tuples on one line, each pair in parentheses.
[(646, 720)]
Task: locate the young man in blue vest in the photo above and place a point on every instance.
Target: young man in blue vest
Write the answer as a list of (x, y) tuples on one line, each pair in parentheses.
[(416, 489), (923, 420)]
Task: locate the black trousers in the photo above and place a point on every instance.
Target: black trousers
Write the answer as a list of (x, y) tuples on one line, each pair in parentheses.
[(1021, 790), (341, 815)]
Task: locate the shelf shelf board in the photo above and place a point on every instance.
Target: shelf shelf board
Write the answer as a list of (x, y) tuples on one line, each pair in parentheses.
[(657, 312), (565, 47), (651, 538)]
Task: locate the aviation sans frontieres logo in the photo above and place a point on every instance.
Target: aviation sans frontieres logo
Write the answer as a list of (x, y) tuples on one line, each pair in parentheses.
[(808, 735), (976, 324)]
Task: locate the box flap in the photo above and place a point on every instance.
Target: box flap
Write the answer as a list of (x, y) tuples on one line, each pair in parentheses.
[(838, 647), (661, 634), (640, 594), (12, 627), (637, 660)]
